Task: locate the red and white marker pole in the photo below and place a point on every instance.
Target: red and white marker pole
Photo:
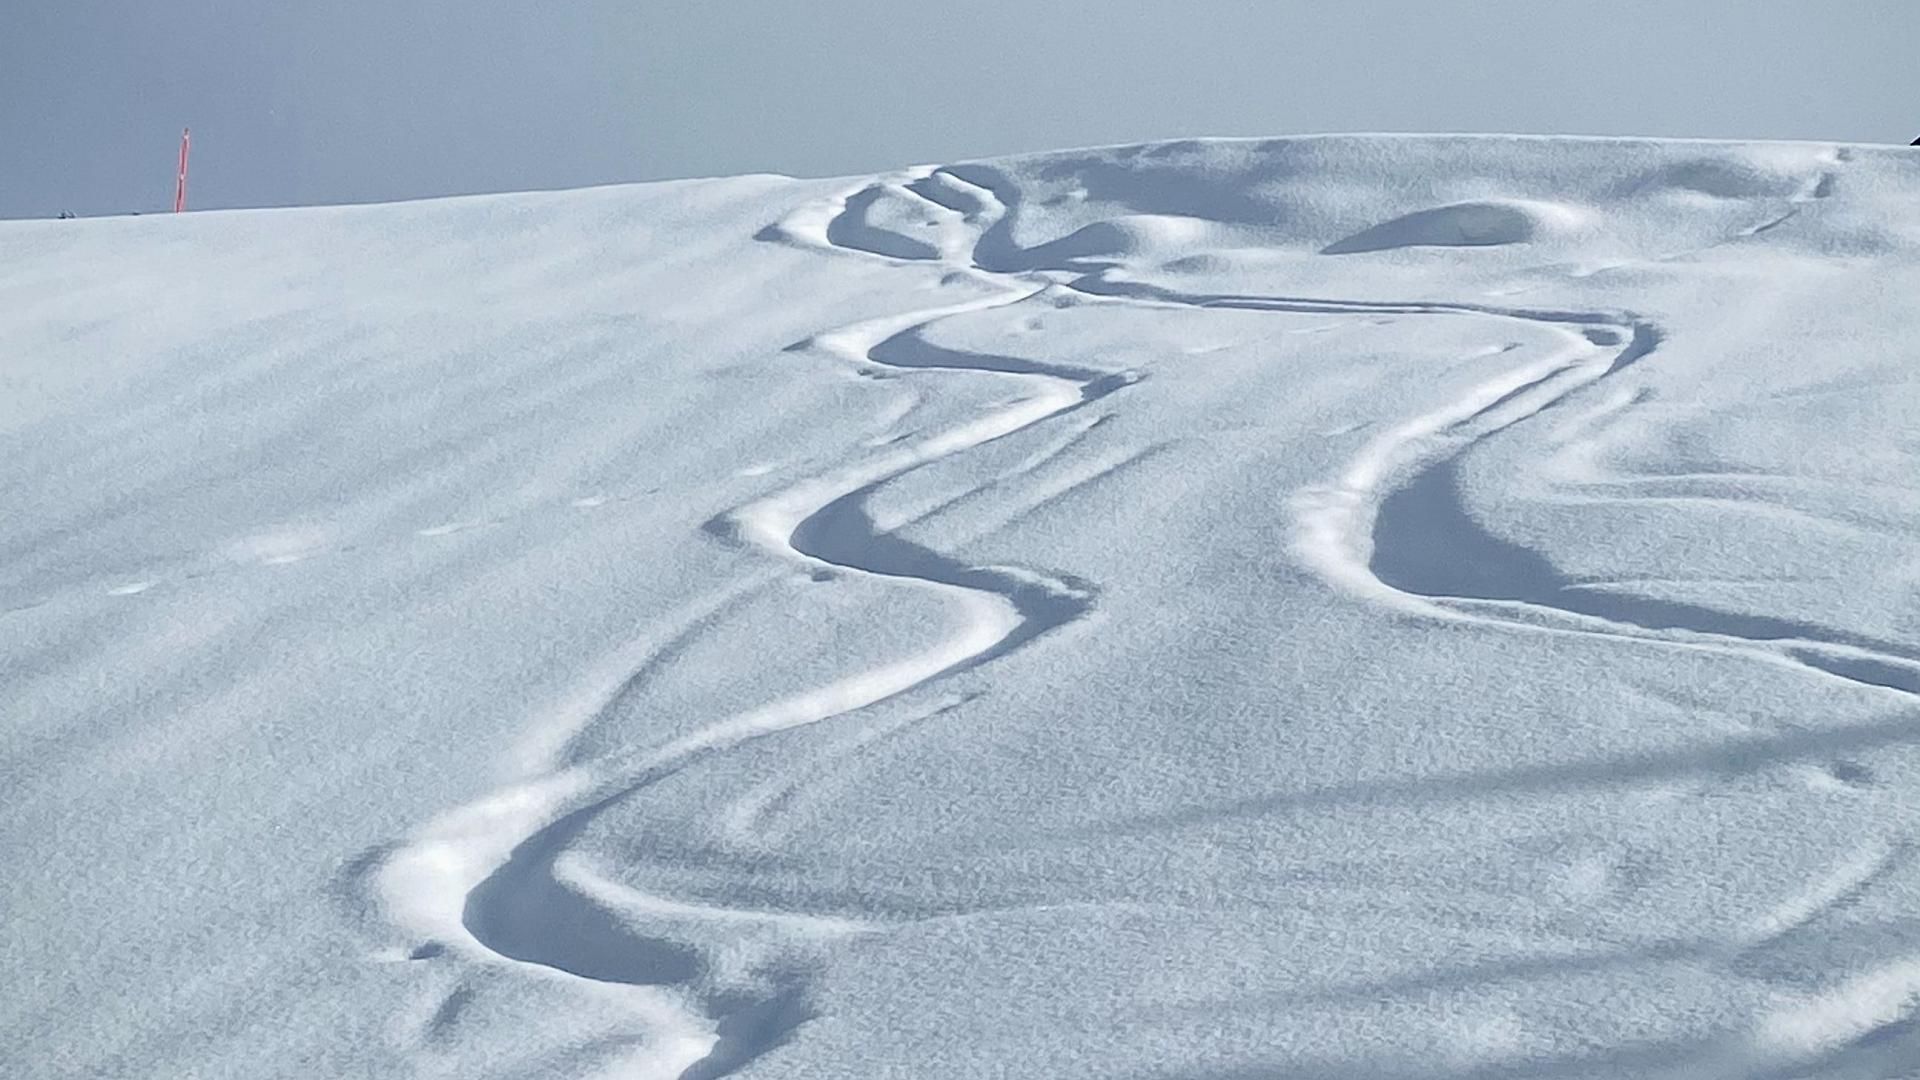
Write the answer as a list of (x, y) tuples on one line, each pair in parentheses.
[(180, 188)]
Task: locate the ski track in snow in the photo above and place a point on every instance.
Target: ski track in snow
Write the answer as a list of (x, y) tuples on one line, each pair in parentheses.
[(495, 881), (493, 878)]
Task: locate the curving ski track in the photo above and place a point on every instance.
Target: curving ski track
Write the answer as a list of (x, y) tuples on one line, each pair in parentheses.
[(494, 880), (1337, 522)]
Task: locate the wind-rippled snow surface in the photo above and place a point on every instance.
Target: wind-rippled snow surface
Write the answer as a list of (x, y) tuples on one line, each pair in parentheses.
[(1359, 608)]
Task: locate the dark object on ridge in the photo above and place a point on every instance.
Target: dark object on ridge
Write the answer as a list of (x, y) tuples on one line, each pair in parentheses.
[(1915, 142), (66, 215)]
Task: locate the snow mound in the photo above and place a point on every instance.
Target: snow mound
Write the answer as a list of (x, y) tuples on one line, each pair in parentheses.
[(1724, 178), (1470, 224), (1125, 238)]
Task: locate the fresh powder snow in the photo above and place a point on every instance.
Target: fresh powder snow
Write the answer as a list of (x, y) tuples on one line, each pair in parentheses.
[(1350, 608)]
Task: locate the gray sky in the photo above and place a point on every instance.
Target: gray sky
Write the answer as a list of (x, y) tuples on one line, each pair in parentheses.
[(358, 100)]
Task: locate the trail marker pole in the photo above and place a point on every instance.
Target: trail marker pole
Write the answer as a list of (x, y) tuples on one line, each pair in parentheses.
[(180, 187)]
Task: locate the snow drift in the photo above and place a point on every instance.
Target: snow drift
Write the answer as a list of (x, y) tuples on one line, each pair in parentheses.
[(1339, 607)]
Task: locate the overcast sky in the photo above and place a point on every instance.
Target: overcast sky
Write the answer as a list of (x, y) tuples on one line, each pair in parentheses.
[(357, 100)]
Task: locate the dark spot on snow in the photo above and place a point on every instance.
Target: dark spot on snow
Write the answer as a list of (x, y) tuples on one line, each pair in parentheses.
[(1851, 773)]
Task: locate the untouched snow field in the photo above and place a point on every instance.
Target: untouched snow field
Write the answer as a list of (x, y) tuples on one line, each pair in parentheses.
[(1347, 608)]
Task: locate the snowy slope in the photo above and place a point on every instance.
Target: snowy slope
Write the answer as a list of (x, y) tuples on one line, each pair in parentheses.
[(1350, 607)]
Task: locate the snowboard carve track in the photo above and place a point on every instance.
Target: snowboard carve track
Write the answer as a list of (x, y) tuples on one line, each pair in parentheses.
[(494, 880), (1336, 522)]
